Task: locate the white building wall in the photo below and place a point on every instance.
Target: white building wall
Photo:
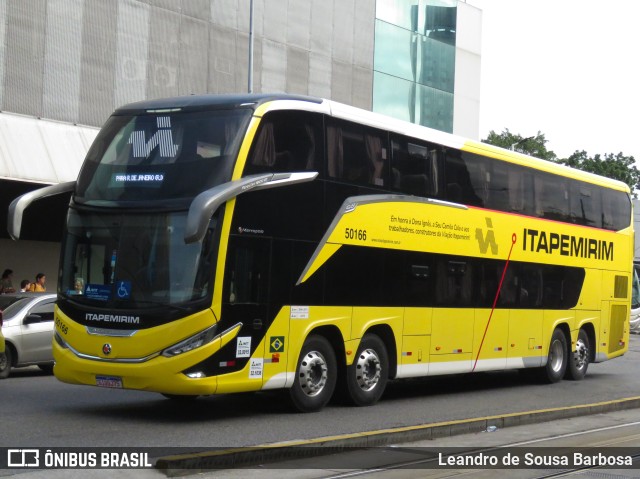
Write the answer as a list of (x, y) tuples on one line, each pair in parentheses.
[(466, 102)]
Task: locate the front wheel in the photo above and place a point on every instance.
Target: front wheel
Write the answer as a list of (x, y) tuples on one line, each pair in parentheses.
[(315, 375), (579, 359), (367, 376)]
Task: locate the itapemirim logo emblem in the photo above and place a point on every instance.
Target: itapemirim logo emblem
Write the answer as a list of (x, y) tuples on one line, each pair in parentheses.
[(487, 239)]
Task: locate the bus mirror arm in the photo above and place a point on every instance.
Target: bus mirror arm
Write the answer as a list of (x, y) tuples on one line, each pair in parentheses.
[(206, 203), (21, 203)]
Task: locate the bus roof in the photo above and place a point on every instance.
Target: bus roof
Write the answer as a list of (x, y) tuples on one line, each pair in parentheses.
[(377, 120), (208, 101), (264, 102)]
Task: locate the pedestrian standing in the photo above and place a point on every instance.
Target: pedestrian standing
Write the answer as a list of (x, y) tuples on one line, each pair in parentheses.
[(38, 286), (6, 284)]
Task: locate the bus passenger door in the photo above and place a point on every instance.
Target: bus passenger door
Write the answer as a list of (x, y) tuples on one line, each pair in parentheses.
[(490, 345), (245, 301), (453, 322), (525, 323)]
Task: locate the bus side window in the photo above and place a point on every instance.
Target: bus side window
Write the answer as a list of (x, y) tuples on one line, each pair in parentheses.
[(585, 204), (454, 287), (520, 190), (418, 280), (247, 270), (287, 142), (510, 290), (509, 188), (551, 197), (616, 210), (414, 167), (530, 286), (459, 185), (480, 175), (357, 154)]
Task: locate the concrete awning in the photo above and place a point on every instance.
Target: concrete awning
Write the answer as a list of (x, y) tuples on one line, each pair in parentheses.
[(35, 153), (42, 151)]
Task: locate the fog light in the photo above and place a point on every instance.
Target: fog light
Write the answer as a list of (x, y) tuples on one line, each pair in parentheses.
[(196, 375)]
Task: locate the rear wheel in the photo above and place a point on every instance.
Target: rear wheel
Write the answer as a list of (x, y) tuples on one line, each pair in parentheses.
[(579, 359), (315, 375), (367, 376), (557, 360), (5, 363)]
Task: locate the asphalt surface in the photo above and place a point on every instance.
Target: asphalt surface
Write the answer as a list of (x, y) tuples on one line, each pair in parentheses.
[(39, 411)]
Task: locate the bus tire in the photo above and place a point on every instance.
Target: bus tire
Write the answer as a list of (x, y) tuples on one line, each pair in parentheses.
[(579, 359), (316, 373), (367, 376), (557, 359)]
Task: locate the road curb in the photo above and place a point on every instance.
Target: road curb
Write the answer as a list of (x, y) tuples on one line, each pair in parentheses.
[(185, 464)]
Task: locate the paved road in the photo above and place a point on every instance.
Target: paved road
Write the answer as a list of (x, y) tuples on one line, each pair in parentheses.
[(37, 410), (619, 429)]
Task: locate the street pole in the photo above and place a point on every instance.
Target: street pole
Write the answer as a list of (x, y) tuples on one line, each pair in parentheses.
[(520, 142), (250, 87)]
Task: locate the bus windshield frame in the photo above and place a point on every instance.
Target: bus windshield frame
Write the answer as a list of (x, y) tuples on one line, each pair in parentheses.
[(137, 261), (161, 158)]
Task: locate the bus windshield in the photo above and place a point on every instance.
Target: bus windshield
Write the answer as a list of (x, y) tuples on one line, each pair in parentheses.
[(165, 156), (135, 260)]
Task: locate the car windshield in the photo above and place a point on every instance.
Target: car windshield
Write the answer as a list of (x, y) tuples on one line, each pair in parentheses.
[(11, 305), (135, 260), (163, 156)]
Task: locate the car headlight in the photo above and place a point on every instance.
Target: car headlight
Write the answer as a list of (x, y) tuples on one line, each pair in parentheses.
[(195, 341)]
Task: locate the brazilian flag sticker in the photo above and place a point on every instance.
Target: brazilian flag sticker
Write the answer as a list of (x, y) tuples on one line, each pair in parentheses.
[(276, 344)]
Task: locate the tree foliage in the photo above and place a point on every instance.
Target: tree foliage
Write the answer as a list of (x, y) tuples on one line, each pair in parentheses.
[(617, 166), (532, 145)]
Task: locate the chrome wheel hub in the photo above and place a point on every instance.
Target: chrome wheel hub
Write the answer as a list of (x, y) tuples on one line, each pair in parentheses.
[(368, 369), (312, 373), (581, 355)]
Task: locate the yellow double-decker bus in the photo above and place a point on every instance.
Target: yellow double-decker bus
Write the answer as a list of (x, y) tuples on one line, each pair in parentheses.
[(220, 244)]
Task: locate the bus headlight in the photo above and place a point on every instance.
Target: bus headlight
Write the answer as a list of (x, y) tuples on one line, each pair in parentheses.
[(200, 339)]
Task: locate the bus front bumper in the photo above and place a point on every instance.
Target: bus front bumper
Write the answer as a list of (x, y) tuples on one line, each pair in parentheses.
[(158, 374)]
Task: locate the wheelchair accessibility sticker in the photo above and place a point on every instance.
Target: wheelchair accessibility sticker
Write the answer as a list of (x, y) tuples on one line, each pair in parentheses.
[(124, 289)]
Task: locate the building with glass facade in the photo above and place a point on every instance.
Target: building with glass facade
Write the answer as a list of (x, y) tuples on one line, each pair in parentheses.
[(427, 62), (65, 65)]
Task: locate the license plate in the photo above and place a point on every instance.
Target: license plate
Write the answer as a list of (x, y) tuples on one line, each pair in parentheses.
[(109, 382)]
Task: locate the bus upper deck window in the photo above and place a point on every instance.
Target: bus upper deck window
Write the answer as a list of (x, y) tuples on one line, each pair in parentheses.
[(356, 154), (286, 142)]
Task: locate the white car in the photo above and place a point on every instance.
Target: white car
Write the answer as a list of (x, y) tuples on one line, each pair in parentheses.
[(28, 331), (634, 320)]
